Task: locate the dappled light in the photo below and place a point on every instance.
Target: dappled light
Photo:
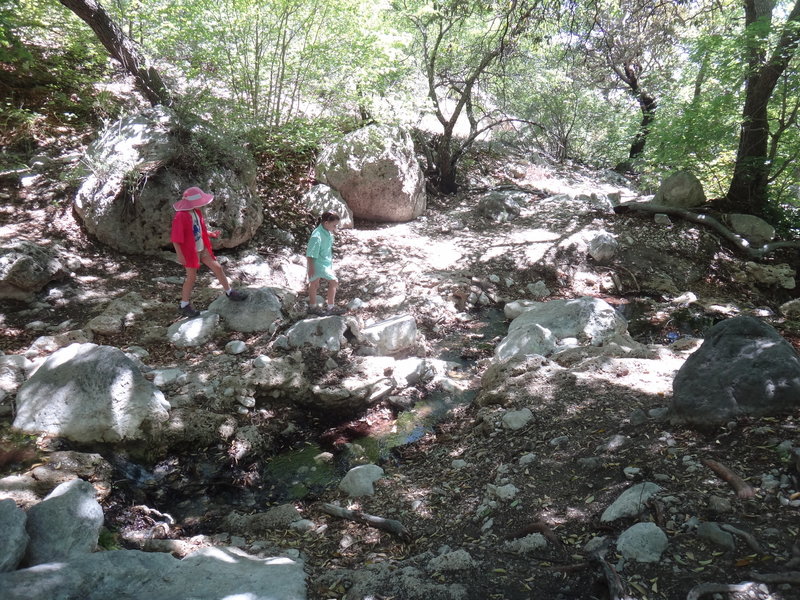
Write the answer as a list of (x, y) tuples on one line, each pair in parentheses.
[(429, 435)]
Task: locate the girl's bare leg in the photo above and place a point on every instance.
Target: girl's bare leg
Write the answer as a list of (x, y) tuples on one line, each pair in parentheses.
[(188, 284), (216, 268)]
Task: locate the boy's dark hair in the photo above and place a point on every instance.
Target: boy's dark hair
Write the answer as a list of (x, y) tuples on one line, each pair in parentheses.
[(328, 216)]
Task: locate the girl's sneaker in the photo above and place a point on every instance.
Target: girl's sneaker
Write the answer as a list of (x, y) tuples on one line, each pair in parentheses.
[(189, 311), (335, 310), (315, 310)]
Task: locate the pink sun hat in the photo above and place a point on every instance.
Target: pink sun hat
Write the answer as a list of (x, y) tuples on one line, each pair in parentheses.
[(193, 198)]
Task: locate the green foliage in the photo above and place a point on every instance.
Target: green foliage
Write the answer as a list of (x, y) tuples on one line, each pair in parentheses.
[(563, 117), (283, 77), (12, 50), (109, 540), (203, 147)]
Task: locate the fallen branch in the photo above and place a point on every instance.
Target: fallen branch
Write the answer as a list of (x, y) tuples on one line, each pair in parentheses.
[(617, 590), (785, 577), (537, 527), (741, 244), (720, 588), (747, 537), (740, 486), (390, 525)]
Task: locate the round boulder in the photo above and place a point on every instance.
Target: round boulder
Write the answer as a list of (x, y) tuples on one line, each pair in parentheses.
[(137, 171), (681, 190), (375, 170), (89, 393), (743, 367)]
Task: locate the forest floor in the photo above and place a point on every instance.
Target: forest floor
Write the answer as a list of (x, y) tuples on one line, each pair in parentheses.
[(442, 505)]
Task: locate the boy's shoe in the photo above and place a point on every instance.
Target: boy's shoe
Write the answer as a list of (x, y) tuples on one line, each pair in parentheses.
[(335, 310), (236, 295), (315, 310), (189, 311)]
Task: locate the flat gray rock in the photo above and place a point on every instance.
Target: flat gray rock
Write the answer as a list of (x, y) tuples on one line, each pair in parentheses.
[(208, 574)]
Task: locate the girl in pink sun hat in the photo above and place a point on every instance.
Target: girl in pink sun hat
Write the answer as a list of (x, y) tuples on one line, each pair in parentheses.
[(192, 243)]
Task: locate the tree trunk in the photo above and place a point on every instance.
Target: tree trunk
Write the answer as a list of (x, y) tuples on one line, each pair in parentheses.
[(445, 167), (122, 48), (648, 105), (748, 189)]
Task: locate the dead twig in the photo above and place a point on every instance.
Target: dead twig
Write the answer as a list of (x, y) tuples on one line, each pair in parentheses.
[(390, 525), (740, 486)]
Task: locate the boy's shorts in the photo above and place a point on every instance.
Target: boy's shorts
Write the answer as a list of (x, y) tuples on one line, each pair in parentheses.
[(323, 272)]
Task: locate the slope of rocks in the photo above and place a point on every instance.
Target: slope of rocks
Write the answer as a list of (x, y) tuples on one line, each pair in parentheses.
[(519, 493)]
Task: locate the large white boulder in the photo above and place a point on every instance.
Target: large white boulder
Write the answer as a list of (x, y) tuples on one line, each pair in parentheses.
[(131, 184), (375, 170), (208, 574), (541, 327), (89, 393), (64, 525)]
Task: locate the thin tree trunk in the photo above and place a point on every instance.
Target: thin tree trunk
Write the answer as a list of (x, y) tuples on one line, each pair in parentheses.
[(648, 106), (122, 48)]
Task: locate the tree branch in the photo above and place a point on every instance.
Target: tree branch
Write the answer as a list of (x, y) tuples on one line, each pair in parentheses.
[(741, 244), (390, 525)]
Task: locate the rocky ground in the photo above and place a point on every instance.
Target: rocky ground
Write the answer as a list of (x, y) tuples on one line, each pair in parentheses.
[(595, 432)]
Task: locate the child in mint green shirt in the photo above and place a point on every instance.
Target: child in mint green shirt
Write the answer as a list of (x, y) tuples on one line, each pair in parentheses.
[(319, 258)]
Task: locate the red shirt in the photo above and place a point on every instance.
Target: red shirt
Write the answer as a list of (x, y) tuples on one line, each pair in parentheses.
[(183, 235)]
